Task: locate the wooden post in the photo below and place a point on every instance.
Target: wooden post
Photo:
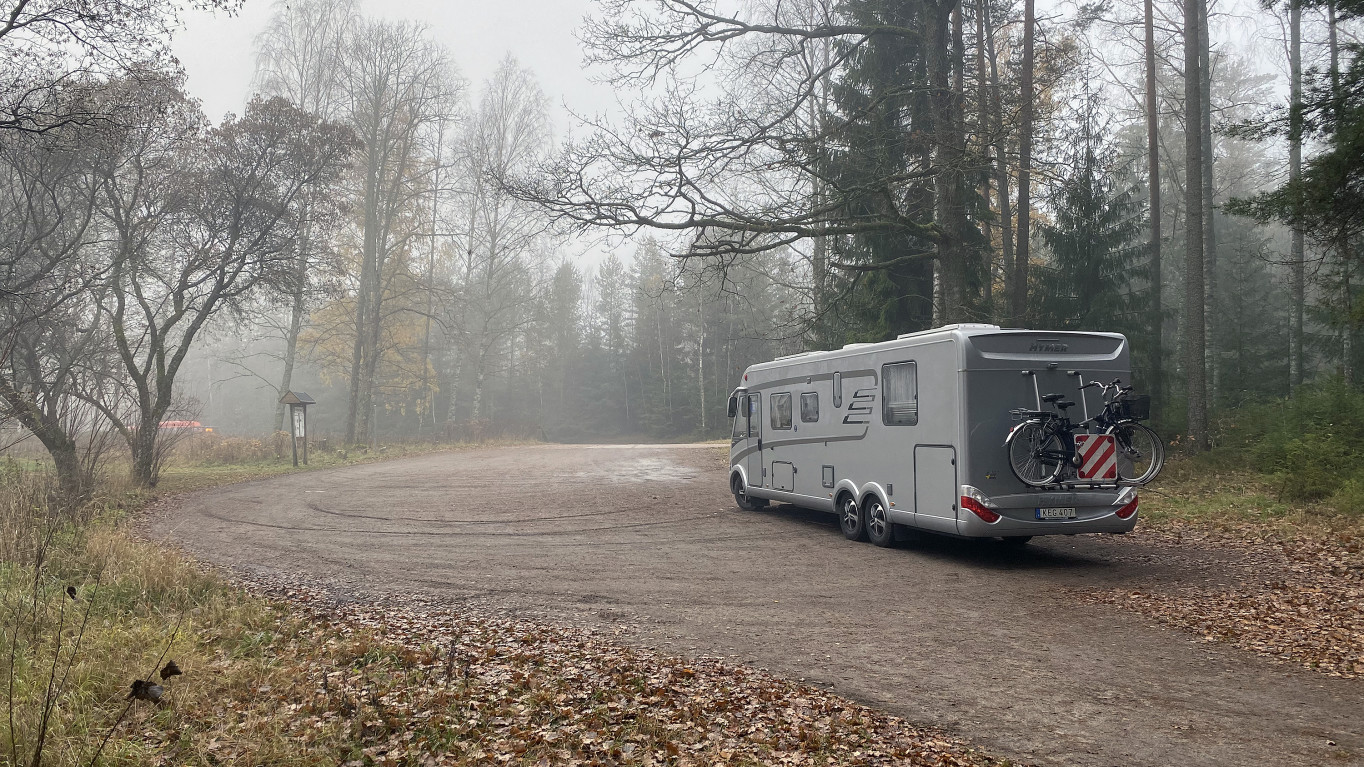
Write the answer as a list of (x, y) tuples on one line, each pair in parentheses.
[(298, 403), (293, 433)]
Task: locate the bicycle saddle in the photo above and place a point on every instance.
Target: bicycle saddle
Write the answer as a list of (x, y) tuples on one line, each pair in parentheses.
[(1064, 405), (1053, 397)]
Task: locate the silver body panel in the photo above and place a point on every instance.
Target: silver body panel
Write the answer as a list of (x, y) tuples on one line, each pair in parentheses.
[(968, 379)]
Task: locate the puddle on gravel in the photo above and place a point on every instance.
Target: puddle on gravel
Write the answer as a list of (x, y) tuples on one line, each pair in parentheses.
[(634, 471)]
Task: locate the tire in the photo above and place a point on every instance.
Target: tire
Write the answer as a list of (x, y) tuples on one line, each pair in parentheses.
[(1025, 447), (1141, 453), (851, 519), (880, 530), (741, 498)]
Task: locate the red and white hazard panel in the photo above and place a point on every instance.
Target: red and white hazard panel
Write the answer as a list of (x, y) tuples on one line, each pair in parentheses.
[(1098, 456)]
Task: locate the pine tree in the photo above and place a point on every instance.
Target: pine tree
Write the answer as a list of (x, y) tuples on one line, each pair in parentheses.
[(1094, 240)]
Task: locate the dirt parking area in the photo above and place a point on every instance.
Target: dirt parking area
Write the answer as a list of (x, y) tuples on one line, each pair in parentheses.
[(995, 644)]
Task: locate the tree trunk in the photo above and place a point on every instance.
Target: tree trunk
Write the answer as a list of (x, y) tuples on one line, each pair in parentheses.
[(1345, 247), (1157, 317), (1209, 224), (1020, 286), (1193, 326), (1297, 252), (983, 132), (295, 327), (1006, 229), (948, 155), (60, 446), (143, 445)]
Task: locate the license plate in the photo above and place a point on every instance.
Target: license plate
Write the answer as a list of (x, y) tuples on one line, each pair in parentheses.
[(1057, 513)]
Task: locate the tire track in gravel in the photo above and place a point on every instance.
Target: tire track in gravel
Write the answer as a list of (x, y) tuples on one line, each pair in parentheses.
[(979, 639)]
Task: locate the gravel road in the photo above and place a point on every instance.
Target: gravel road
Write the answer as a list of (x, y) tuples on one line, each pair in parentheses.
[(985, 641)]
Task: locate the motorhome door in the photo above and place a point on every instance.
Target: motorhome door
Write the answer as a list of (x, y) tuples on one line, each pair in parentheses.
[(754, 466)]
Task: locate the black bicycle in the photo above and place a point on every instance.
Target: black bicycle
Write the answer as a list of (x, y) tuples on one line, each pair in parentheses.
[(1141, 452), (1042, 447)]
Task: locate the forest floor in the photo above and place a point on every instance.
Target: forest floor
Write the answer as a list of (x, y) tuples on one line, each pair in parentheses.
[(1293, 590), (1222, 632)]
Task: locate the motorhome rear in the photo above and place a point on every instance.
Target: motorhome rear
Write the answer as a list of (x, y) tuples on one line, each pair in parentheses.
[(911, 432)]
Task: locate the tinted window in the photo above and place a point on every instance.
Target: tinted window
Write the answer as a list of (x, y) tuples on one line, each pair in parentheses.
[(900, 394), (780, 407), (809, 407)]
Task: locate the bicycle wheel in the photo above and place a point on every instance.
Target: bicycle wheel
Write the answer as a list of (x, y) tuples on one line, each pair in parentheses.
[(1141, 453), (1036, 454)]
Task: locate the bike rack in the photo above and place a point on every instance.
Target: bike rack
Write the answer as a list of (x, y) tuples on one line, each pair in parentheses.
[(1084, 401), (1036, 391)]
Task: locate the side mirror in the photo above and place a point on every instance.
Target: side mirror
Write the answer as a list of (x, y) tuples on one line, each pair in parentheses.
[(733, 405)]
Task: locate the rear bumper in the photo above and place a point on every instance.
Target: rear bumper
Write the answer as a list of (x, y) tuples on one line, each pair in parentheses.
[(1095, 512), (1088, 520)]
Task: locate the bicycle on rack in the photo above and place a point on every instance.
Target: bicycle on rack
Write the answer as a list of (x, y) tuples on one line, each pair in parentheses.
[(1141, 452), (1043, 447)]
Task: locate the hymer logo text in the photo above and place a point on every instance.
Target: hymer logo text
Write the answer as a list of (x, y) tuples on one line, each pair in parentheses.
[(1048, 346)]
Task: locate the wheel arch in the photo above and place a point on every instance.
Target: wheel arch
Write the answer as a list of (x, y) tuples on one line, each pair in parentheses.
[(737, 471), (873, 490)]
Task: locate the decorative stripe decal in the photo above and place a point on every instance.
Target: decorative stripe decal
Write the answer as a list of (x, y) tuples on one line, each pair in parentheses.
[(768, 443)]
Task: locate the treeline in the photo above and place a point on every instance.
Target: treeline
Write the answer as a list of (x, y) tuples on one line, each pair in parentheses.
[(798, 176)]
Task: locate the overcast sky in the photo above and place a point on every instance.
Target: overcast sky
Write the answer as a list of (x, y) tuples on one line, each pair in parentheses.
[(218, 51)]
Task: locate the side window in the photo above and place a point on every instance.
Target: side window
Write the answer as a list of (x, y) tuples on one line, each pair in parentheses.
[(780, 407), (741, 419), (838, 390), (809, 407), (755, 407), (900, 394)]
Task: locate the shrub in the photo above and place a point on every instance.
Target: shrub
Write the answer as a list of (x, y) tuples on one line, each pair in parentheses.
[(1311, 445)]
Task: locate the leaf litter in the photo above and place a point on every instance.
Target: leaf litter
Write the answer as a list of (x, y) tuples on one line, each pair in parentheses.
[(401, 681), (1293, 599)]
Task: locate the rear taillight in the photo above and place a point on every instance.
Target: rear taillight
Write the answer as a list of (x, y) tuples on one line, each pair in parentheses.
[(978, 508), (1128, 509)]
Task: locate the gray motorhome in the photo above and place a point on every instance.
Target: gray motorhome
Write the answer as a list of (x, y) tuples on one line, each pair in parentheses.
[(911, 432)]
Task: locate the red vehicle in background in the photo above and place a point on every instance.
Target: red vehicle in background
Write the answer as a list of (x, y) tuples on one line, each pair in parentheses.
[(192, 426)]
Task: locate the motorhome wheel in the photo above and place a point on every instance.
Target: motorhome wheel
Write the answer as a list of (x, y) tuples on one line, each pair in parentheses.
[(880, 530), (851, 519), (741, 498)]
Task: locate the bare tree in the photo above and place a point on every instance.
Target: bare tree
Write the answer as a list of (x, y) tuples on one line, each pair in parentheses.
[(506, 135), (733, 174), (199, 219), (46, 211), (56, 54), (299, 57), (399, 88)]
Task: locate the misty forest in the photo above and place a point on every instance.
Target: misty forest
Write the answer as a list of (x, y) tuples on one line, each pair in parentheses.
[(521, 293), (433, 258)]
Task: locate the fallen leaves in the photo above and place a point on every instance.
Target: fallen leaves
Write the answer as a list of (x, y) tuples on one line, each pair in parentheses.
[(1298, 600), (395, 683)]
